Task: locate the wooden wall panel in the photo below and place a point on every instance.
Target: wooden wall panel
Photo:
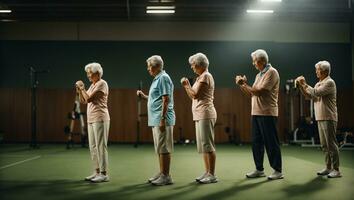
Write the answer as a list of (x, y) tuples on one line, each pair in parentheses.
[(53, 105)]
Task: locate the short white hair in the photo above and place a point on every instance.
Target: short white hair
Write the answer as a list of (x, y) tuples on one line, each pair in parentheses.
[(155, 61), (199, 59), (94, 68), (324, 66), (260, 54)]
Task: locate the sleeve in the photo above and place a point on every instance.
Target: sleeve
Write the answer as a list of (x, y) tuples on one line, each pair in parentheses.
[(205, 79), (270, 80), (101, 87), (165, 86), (324, 89)]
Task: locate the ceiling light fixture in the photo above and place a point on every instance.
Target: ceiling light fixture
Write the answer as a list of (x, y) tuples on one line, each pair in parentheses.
[(261, 11)]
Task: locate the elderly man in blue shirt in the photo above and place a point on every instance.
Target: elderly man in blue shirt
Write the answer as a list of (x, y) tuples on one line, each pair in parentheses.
[(161, 117)]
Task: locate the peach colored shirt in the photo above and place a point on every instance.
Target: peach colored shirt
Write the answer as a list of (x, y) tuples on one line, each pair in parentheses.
[(267, 103), (203, 105), (324, 95), (97, 110)]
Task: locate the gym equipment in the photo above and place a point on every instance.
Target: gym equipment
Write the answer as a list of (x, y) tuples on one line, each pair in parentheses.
[(306, 128), (73, 116), (34, 84)]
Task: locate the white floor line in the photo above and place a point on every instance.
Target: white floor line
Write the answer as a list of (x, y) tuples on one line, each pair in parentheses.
[(19, 162)]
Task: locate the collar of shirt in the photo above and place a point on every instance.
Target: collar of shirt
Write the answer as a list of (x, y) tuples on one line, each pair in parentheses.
[(325, 79), (266, 68), (159, 74)]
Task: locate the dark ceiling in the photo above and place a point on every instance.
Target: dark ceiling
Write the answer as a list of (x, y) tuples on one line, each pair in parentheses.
[(186, 10)]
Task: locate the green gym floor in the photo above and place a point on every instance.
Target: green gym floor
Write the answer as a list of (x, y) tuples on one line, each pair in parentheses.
[(52, 172)]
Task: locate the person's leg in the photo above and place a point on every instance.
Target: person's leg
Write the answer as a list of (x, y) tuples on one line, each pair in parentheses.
[(212, 159), (206, 162), (257, 144), (93, 147), (268, 128), (101, 129), (322, 130), (165, 160), (333, 144)]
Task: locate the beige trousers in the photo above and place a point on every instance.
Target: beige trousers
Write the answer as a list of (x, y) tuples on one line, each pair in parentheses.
[(98, 138)]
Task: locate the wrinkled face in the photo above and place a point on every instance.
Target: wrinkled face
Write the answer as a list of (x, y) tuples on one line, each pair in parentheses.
[(259, 65), (320, 74), (93, 77), (153, 71), (196, 69)]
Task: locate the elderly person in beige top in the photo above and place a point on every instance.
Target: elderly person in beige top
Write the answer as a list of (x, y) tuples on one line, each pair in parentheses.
[(264, 94), (97, 120), (324, 96), (204, 113)]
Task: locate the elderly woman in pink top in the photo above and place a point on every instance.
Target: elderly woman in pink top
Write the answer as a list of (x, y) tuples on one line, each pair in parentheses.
[(204, 113), (97, 120)]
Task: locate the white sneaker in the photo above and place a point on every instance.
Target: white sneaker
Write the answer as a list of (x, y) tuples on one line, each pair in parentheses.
[(255, 174), (334, 174), (201, 177), (89, 178), (209, 178), (324, 172), (100, 178), (275, 175), (163, 180), (155, 177)]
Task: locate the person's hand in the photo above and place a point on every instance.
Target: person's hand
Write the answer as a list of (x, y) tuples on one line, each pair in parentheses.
[(240, 80), (140, 93), (79, 84), (184, 81), (301, 80), (162, 125)]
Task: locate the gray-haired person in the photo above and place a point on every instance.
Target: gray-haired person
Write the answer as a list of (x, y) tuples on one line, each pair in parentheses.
[(204, 113), (264, 111), (161, 117), (98, 120), (324, 96)]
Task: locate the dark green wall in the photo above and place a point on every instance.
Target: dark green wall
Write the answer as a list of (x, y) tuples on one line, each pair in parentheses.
[(124, 62)]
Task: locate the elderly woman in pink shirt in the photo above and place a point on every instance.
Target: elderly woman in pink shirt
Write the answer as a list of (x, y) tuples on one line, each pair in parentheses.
[(204, 113), (98, 120)]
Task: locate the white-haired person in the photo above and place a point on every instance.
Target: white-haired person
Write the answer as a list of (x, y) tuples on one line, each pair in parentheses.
[(324, 96), (98, 120), (204, 113), (264, 111), (161, 117)]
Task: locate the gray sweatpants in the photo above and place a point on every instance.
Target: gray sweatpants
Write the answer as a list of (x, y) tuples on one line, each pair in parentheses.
[(327, 131)]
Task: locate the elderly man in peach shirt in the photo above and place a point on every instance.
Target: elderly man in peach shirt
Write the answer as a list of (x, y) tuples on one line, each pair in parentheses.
[(324, 96)]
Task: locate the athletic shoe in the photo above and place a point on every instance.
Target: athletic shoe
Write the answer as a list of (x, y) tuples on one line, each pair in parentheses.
[(324, 172), (201, 177), (255, 174), (163, 180), (155, 177), (209, 178), (334, 174), (275, 175), (89, 178), (100, 178)]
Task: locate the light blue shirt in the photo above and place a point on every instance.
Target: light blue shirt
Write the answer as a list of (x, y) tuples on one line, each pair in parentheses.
[(161, 85)]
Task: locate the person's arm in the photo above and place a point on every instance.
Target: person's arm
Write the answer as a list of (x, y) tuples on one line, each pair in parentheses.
[(253, 91), (324, 89), (142, 95), (165, 101), (195, 93), (85, 98)]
